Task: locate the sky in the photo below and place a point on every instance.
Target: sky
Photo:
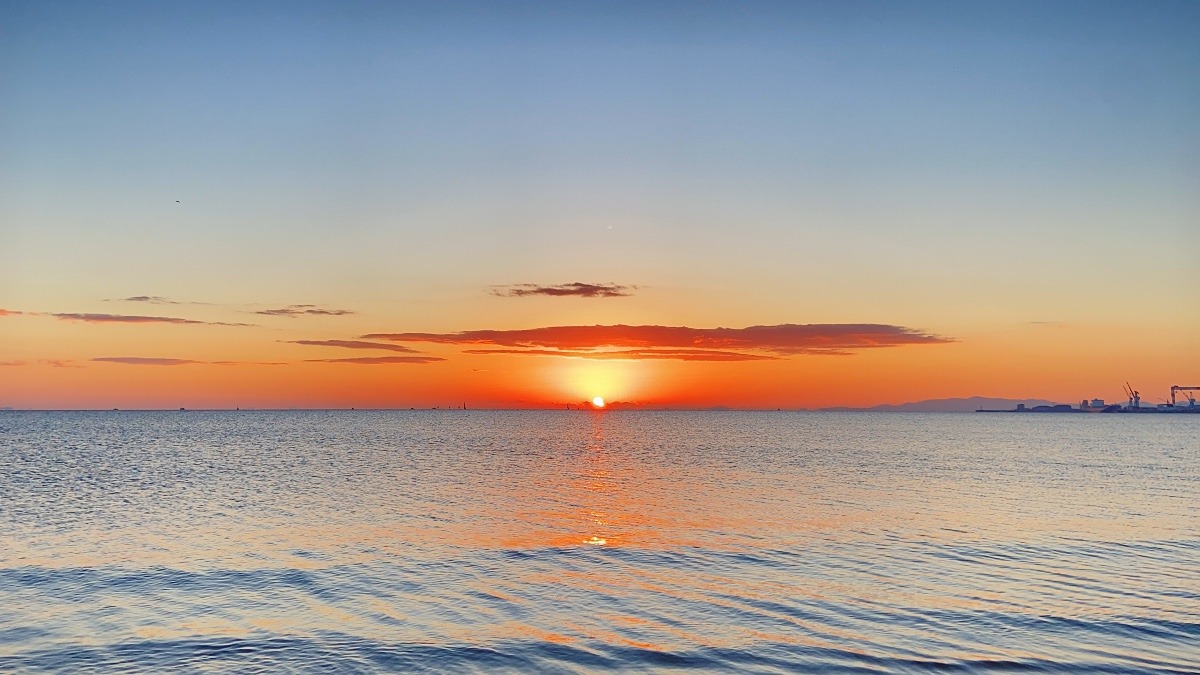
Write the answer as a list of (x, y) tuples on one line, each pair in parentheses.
[(692, 204)]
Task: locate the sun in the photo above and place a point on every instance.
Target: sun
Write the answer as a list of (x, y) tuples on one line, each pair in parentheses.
[(598, 402)]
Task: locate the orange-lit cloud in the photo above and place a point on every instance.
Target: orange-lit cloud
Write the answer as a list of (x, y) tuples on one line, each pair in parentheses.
[(656, 341), (354, 344), (131, 318), (145, 361), (12, 363), (676, 354), (304, 310), (9, 312), (576, 289), (379, 360)]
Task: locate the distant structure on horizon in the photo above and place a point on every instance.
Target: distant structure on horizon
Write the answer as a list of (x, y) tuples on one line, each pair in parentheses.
[(1134, 405)]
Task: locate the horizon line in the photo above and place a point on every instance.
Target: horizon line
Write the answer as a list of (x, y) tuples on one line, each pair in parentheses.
[(576, 408)]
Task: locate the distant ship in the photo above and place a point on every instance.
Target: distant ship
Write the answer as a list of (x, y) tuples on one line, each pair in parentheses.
[(1134, 405)]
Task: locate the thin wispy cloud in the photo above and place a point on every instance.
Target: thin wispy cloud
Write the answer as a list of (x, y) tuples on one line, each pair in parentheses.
[(12, 363), (681, 342), (9, 312), (145, 361), (575, 289), (379, 360), (153, 299), (156, 300), (60, 363), (354, 344), (304, 310), (158, 361), (122, 318), (134, 318)]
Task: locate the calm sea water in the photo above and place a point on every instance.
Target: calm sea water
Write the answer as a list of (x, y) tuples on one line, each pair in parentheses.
[(357, 541)]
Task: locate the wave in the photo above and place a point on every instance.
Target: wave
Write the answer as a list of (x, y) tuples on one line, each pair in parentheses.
[(671, 626), (339, 653)]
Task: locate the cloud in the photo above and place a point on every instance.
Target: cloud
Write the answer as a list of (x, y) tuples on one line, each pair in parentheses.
[(9, 312), (145, 361), (681, 342), (156, 300), (380, 360), (60, 363), (302, 310), (677, 354), (132, 318), (354, 344), (156, 361), (122, 318), (55, 363), (576, 289)]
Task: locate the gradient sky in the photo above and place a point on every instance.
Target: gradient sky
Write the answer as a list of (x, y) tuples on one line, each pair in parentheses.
[(1017, 184)]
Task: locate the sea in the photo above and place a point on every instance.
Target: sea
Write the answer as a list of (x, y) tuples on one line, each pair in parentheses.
[(588, 541)]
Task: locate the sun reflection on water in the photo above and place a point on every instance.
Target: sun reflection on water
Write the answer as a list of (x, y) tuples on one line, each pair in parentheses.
[(673, 533)]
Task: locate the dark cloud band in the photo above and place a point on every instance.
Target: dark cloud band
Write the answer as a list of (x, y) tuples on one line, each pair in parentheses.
[(673, 354), (379, 360), (133, 318), (688, 343), (355, 344), (157, 300), (303, 310), (575, 289)]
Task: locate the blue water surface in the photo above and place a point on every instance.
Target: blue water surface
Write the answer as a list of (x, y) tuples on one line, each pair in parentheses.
[(564, 541)]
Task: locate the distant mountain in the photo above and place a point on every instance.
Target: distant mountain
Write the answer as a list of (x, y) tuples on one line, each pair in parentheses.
[(950, 405)]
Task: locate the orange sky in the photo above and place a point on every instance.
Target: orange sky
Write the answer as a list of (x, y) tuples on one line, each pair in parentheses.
[(68, 363)]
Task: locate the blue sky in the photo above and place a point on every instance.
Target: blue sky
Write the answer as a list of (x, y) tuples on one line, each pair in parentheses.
[(955, 166)]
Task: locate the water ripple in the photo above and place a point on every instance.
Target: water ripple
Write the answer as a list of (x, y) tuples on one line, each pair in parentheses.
[(373, 541)]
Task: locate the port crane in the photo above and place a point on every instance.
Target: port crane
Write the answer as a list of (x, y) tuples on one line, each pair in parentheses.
[(1191, 398), (1135, 397)]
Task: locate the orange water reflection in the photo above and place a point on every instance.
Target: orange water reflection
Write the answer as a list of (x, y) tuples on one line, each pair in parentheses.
[(611, 492), (655, 533), (591, 498)]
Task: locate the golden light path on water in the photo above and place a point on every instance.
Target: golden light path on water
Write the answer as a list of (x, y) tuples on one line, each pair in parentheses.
[(590, 539)]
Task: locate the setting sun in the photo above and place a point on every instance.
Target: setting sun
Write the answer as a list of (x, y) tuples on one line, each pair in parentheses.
[(598, 402)]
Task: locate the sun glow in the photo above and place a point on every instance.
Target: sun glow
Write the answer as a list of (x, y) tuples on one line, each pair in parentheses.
[(611, 380), (598, 402)]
